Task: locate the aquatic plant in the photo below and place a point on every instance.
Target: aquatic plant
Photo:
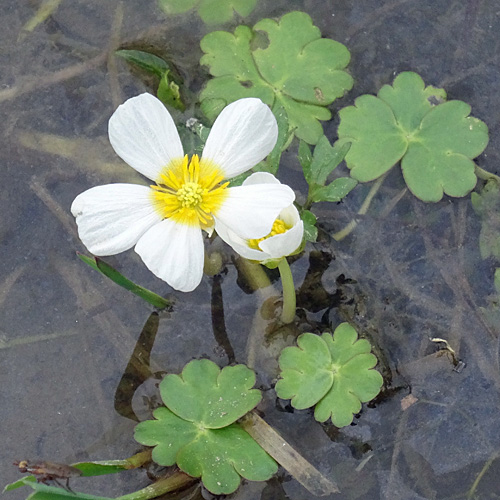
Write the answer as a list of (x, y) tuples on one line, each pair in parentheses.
[(295, 69), (335, 373), (435, 140), (197, 429)]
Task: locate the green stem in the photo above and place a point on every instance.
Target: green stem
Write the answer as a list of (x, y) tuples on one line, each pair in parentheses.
[(340, 235), (289, 299), (485, 175), (475, 484), (158, 488)]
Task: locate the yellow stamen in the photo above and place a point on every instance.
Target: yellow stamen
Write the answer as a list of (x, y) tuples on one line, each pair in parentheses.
[(279, 227), (190, 192)]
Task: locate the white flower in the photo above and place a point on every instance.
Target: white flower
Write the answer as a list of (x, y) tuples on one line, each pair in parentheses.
[(284, 238), (165, 221)]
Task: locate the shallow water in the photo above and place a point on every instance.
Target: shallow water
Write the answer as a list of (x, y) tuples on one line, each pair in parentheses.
[(408, 272)]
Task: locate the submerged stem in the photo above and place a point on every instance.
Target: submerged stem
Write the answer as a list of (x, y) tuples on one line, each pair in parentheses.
[(289, 299), (485, 175), (172, 483), (340, 235)]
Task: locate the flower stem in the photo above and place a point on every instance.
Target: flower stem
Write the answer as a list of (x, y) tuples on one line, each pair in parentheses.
[(289, 299), (340, 235)]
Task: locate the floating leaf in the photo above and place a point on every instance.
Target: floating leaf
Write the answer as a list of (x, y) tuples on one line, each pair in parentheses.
[(435, 141), (206, 394), (306, 371), (197, 430), (211, 12), (335, 373), (145, 294), (298, 69), (486, 204)]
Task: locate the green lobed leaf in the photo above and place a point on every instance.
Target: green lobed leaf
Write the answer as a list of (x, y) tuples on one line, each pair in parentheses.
[(145, 60), (310, 229), (436, 141), (298, 69), (486, 204), (304, 156), (335, 373), (335, 191), (306, 371), (210, 11), (99, 265), (324, 161), (355, 380), (497, 280), (218, 456), (197, 430), (212, 397)]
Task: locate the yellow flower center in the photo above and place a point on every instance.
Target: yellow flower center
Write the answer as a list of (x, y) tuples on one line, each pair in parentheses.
[(279, 227), (190, 192)]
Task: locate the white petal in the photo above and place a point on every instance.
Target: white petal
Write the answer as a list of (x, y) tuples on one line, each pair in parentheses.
[(250, 211), (175, 253), (260, 178), (290, 216), (112, 218), (238, 244), (143, 134), (243, 134), (284, 244)]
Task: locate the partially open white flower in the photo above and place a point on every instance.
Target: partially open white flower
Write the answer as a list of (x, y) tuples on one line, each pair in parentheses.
[(165, 221), (284, 238)]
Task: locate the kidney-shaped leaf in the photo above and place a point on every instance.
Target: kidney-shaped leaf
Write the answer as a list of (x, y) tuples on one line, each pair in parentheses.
[(340, 363), (208, 396), (218, 456), (408, 121), (297, 68)]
